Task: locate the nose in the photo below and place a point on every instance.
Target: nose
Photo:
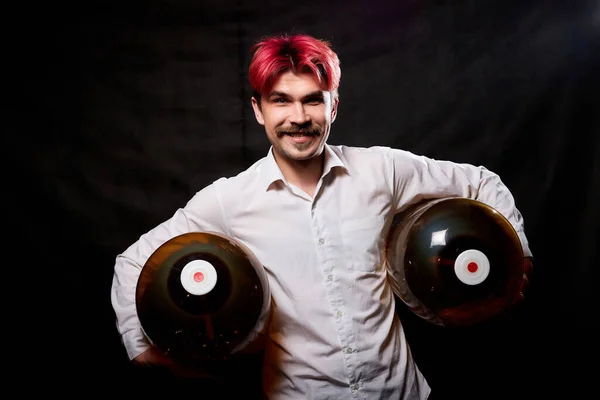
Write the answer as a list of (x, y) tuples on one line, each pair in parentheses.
[(298, 115)]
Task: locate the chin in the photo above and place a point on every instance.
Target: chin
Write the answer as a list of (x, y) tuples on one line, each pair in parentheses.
[(305, 154)]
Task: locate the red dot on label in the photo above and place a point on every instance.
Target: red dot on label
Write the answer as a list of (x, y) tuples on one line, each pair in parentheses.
[(472, 266), (198, 276)]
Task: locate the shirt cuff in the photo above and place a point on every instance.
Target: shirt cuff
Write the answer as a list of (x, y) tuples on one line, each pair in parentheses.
[(135, 343), (524, 244)]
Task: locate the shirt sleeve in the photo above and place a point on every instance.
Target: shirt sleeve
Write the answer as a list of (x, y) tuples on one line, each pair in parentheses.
[(201, 213), (416, 178)]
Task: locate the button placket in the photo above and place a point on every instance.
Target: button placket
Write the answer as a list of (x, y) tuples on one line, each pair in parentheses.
[(326, 241)]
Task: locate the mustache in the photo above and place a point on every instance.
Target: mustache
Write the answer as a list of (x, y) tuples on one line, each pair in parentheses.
[(312, 130)]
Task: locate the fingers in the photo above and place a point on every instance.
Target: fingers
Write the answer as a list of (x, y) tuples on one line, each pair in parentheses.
[(155, 359)]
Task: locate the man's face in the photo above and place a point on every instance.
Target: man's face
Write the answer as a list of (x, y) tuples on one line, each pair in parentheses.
[(297, 115)]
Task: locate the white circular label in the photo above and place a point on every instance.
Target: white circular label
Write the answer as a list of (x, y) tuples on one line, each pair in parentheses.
[(472, 267), (198, 277)]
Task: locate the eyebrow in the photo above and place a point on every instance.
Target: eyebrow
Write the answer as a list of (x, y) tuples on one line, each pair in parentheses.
[(276, 93)]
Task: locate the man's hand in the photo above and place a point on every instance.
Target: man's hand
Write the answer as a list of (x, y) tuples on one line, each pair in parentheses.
[(154, 358), (527, 275)]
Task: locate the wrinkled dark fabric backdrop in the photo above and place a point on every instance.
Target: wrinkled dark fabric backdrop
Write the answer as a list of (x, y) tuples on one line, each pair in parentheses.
[(124, 110)]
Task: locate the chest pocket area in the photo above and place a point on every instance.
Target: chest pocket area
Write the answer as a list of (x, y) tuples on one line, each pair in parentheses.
[(363, 243)]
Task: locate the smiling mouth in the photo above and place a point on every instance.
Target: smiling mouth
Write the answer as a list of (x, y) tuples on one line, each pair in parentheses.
[(298, 134)]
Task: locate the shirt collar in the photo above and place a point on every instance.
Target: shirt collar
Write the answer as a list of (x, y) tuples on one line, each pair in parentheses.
[(270, 172)]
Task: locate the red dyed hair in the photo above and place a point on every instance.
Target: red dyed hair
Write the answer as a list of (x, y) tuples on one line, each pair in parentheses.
[(278, 54)]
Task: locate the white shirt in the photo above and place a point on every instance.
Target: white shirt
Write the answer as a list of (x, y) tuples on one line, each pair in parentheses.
[(334, 332)]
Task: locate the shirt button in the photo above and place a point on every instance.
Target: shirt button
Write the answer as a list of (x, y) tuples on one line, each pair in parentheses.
[(349, 350), (321, 240), (330, 277), (339, 314)]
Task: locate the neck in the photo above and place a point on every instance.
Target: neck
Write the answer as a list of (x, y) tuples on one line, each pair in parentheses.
[(304, 174)]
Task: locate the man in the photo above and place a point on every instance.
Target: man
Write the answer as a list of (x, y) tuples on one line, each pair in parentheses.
[(316, 216)]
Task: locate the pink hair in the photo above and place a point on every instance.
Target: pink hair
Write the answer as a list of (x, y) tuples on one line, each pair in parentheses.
[(278, 54)]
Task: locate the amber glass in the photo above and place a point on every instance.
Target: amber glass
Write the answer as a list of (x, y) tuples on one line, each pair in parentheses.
[(192, 328), (424, 244)]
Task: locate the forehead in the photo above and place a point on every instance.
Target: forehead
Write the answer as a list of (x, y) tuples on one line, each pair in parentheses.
[(294, 83)]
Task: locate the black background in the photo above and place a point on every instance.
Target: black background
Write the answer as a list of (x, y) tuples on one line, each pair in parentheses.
[(122, 111)]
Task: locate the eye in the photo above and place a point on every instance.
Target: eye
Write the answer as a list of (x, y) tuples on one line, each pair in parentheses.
[(314, 101)]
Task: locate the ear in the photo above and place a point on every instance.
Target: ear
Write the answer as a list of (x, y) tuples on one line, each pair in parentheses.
[(257, 112), (334, 109)]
